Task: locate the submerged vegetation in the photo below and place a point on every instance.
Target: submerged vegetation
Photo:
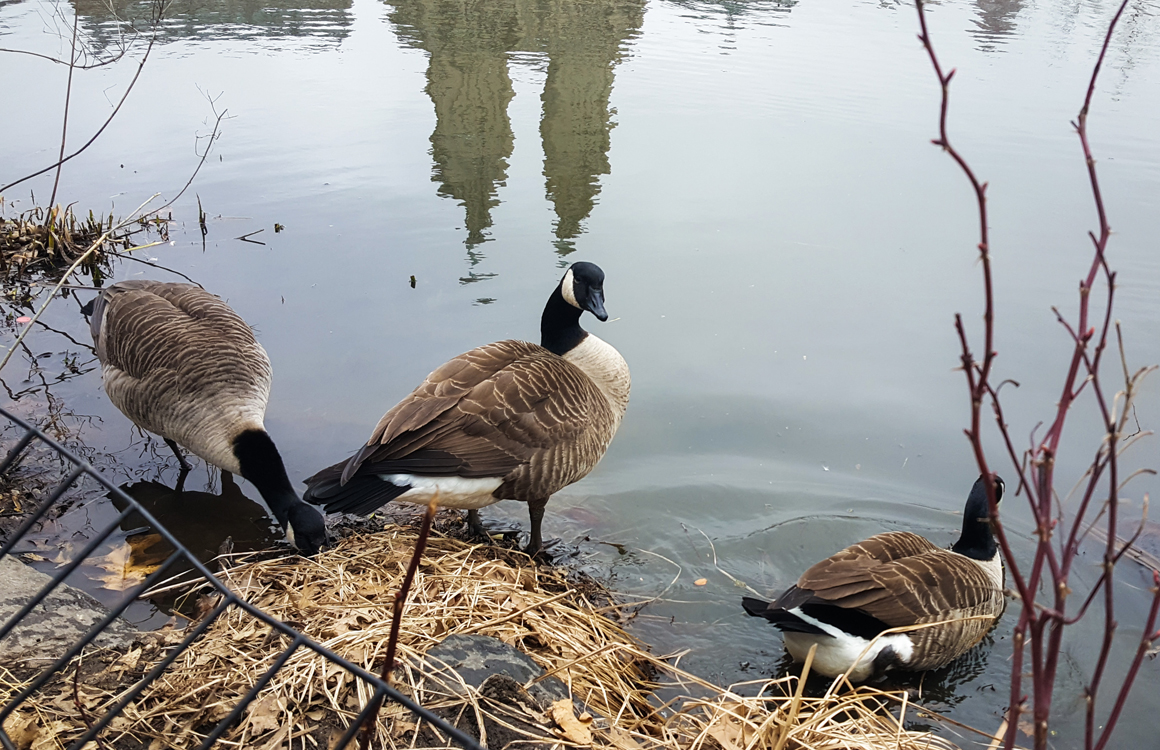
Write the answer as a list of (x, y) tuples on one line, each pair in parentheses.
[(43, 243)]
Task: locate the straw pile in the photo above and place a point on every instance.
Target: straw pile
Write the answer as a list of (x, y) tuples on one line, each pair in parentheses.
[(343, 599)]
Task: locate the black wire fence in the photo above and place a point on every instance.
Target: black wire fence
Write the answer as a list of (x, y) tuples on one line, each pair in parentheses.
[(76, 470)]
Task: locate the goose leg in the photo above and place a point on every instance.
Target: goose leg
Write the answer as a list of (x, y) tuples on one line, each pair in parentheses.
[(177, 452), (536, 514), (475, 523)]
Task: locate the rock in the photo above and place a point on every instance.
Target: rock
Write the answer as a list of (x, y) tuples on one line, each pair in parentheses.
[(477, 657), (501, 673), (53, 626)]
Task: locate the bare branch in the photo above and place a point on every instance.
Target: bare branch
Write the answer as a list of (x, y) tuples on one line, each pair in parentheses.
[(368, 727), (116, 109)]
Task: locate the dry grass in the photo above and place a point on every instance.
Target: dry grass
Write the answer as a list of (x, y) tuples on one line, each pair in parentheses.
[(343, 599)]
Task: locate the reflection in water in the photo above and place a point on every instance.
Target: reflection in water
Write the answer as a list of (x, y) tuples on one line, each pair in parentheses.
[(583, 42), (324, 21), (470, 46), (995, 22), (734, 12), (202, 521)]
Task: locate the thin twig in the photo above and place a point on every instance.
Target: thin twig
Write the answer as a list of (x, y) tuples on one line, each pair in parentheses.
[(72, 65), (109, 119), (397, 620), (76, 690)]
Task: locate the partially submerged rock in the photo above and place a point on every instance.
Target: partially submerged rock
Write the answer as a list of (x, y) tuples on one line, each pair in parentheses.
[(51, 628)]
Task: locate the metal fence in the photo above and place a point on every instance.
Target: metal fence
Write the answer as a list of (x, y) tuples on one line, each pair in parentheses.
[(78, 468)]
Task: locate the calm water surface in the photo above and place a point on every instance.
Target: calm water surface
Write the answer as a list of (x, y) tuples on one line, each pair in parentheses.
[(785, 252)]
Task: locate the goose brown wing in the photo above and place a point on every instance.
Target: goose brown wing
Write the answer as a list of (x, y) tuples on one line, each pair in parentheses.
[(177, 361), (484, 413), (142, 326), (900, 579)]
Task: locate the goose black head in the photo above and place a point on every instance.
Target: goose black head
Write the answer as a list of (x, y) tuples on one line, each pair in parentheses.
[(583, 287), (977, 541), (261, 464), (305, 529)]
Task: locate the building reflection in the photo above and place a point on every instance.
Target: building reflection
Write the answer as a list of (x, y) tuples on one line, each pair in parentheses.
[(994, 22), (471, 45), (323, 21)]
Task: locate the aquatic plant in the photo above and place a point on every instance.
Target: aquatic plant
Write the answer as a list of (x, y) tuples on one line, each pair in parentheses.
[(1043, 587)]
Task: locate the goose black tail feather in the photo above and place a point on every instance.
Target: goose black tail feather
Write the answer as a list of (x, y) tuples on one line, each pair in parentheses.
[(755, 607), (362, 495), (781, 619)]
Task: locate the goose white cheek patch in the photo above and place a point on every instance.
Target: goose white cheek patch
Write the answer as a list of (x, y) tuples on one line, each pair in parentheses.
[(568, 289)]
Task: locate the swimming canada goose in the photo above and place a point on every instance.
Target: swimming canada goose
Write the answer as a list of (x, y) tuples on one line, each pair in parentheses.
[(506, 421), (894, 580), (179, 362)]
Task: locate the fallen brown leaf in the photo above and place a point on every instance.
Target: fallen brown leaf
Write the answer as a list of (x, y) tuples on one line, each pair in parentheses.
[(279, 737), (22, 730), (264, 714), (623, 739), (128, 565), (565, 718)]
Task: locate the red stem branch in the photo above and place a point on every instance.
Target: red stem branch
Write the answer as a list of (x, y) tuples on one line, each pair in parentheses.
[(368, 727)]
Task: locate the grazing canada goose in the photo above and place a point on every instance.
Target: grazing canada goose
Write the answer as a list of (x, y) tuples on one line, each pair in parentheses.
[(181, 363), (509, 420), (895, 580)]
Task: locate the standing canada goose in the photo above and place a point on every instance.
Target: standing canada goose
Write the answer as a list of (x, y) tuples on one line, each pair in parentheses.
[(181, 363), (895, 580), (509, 420)]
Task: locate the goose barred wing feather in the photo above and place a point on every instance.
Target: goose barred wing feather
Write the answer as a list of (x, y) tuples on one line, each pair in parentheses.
[(901, 579), (178, 361), (495, 411)]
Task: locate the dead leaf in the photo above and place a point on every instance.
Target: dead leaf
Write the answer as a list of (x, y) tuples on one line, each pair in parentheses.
[(565, 718), (279, 737), (22, 730), (128, 565), (264, 714), (46, 738), (623, 739), (700, 581), (727, 734), (730, 733), (64, 554), (1027, 727), (128, 661)]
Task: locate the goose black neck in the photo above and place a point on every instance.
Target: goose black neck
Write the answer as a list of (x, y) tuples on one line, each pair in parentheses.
[(560, 330), (262, 466), (977, 540)]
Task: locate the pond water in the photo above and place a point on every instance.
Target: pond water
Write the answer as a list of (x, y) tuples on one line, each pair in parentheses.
[(784, 248)]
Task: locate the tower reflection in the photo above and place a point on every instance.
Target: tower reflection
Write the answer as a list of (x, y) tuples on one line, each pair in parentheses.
[(471, 45)]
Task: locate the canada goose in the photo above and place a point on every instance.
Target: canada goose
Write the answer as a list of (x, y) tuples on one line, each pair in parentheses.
[(894, 580), (509, 420), (179, 362)]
